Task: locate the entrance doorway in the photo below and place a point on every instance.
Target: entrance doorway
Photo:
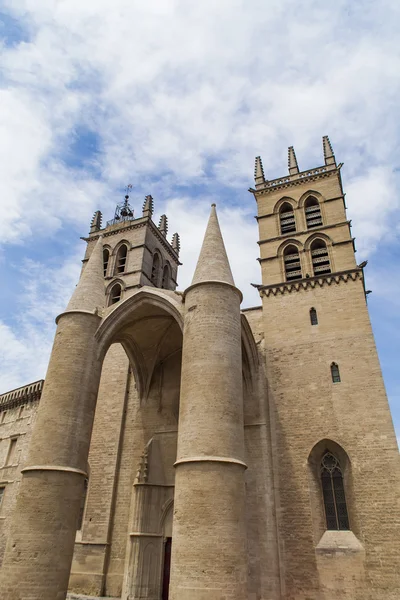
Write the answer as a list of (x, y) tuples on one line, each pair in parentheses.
[(167, 568)]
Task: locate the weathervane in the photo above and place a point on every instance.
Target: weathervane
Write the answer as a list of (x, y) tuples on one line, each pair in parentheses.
[(123, 211)]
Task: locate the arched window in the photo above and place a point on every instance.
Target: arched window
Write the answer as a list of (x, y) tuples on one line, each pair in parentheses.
[(120, 263), (106, 258), (320, 258), (335, 373), (291, 260), (286, 218), (313, 316), (115, 293), (333, 492), (165, 277), (83, 504), (155, 269), (313, 212)]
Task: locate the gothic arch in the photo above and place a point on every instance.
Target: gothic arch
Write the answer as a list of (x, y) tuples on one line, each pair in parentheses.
[(145, 303), (284, 200), (317, 235), (118, 246), (309, 193), (289, 242)]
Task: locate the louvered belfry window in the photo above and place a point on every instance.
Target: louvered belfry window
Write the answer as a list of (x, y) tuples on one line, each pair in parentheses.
[(286, 218), (320, 258), (313, 212), (292, 263), (121, 259), (115, 294), (333, 491)]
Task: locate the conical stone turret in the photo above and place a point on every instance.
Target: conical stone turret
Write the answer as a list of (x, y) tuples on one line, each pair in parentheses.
[(213, 263), (89, 294), (209, 557), (43, 528)]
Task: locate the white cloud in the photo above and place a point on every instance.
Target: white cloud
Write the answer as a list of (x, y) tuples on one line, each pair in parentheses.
[(182, 93)]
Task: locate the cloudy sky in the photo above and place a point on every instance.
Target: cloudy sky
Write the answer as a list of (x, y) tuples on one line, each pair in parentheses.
[(176, 97)]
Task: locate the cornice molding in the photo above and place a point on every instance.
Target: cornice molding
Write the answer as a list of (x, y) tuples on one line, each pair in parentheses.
[(22, 395), (310, 283)]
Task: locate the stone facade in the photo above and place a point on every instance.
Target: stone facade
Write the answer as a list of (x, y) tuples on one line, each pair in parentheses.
[(241, 455)]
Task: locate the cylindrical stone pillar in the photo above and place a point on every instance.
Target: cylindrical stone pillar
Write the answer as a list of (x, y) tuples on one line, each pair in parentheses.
[(209, 558), (40, 545)]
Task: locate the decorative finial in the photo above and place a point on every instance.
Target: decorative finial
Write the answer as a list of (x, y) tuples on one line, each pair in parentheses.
[(96, 222), (328, 151), (176, 243), (292, 161), (259, 173), (148, 206), (163, 225)]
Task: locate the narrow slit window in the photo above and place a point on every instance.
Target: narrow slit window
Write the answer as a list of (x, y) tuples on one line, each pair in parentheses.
[(2, 490), (115, 294), (292, 263), (313, 213), (286, 218), (313, 316), (106, 258), (320, 258), (334, 494), (335, 373), (165, 278), (155, 269), (121, 259)]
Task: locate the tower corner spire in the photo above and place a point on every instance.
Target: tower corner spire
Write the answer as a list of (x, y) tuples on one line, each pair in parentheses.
[(292, 161), (89, 292), (163, 225), (148, 206), (213, 263), (259, 177), (96, 222), (328, 151)]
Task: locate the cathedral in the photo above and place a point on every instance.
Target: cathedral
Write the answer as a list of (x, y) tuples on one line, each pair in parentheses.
[(183, 448)]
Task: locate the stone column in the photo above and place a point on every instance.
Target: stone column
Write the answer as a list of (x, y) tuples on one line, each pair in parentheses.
[(40, 546), (209, 558)]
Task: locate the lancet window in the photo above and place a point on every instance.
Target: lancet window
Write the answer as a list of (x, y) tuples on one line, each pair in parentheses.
[(165, 277), (115, 293), (106, 258), (155, 269), (320, 258), (83, 504), (313, 212), (292, 263), (335, 373), (121, 259), (286, 218), (333, 492)]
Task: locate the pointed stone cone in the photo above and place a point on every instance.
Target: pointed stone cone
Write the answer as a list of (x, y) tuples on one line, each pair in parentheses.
[(292, 161), (148, 206), (213, 263), (328, 151), (89, 294), (210, 463), (259, 173)]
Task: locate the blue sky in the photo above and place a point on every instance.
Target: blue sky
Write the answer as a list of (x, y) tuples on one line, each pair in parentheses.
[(177, 97)]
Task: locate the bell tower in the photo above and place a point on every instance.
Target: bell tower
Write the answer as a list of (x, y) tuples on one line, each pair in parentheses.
[(136, 252), (334, 441)]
